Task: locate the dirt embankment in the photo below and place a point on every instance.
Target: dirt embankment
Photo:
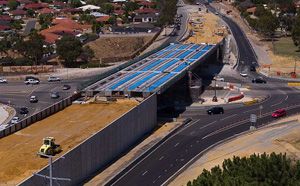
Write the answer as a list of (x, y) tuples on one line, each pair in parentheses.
[(106, 47), (69, 127)]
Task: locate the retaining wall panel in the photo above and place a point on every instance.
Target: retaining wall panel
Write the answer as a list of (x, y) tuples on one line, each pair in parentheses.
[(28, 121), (12, 128), (23, 124), (6, 132), (18, 126)]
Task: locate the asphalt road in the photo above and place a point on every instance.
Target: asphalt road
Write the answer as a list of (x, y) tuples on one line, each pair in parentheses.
[(206, 130), (30, 25)]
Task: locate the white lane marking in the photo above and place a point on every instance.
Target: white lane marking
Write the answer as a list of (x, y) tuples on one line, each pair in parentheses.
[(176, 144), (287, 96), (159, 176), (282, 91), (250, 110), (191, 146), (187, 126), (171, 165), (144, 173), (166, 170), (197, 141), (161, 158), (35, 89), (208, 124), (276, 104), (153, 181), (228, 117), (192, 132)]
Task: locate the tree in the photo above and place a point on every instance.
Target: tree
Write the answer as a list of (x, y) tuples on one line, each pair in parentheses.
[(76, 3), (107, 8), (296, 32), (88, 52), (267, 24), (45, 21), (69, 49), (96, 27), (131, 6), (12, 5), (30, 12), (86, 19), (16, 24), (34, 47)]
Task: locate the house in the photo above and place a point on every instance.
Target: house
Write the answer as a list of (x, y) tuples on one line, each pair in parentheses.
[(145, 18), (105, 19), (247, 4), (145, 4), (58, 5), (3, 4), (144, 11), (251, 10), (48, 11), (119, 12), (18, 14), (116, 6), (24, 2), (5, 21), (89, 7), (69, 23), (35, 6), (98, 14), (71, 11)]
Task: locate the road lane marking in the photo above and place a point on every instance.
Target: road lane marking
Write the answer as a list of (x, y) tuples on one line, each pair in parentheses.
[(171, 165), (287, 96), (166, 170), (191, 146), (250, 110), (228, 117), (159, 176), (35, 89), (161, 158), (208, 125), (276, 104), (176, 144), (144, 173), (153, 181), (197, 141), (192, 132)]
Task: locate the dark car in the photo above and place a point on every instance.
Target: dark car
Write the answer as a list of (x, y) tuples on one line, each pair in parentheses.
[(23, 110), (33, 99), (252, 68), (66, 87), (258, 80), (54, 95), (215, 110)]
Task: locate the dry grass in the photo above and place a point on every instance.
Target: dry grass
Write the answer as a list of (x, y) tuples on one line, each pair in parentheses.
[(106, 47), (70, 127)]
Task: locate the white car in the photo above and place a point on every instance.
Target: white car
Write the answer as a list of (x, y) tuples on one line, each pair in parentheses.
[(243, 74), (15, 120), (31, 81), (216, 13), (218, 78), (3, 80), (50, 79)]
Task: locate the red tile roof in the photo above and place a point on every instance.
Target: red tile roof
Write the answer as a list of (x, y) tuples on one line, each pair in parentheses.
[(251, 9), (46, 11), (18, 12), (4, 27), (115, 5), (145, 4), (69, 9), (119, 12), (36, 5), (4, 2), (103, 19), (145, 10), (6, 17), (69, 23)]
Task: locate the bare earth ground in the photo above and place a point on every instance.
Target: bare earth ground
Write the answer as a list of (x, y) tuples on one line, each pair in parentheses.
[(117, 46), (207, 25), (278, 139), (70, 127)]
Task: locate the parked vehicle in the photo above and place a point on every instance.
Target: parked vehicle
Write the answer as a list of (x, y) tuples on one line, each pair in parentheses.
[(15, 120), (3, 80), (215, 110), (51, 79), (23, 110), (279, 113), (54, 95), (33, 99), (243, 74), (66, 87), (258, 80), (31, 81), (252, 68), (218, 78)]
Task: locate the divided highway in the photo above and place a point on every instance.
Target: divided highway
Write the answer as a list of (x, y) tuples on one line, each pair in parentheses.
[(206, 130)]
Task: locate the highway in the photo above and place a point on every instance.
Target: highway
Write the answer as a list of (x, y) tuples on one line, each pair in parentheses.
[(205, 130)]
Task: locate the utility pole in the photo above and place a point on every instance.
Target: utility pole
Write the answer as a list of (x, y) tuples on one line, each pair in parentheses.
[(50, 177), (295, 65)]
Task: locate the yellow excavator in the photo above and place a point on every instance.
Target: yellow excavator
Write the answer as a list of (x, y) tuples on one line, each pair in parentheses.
[(49, 147)]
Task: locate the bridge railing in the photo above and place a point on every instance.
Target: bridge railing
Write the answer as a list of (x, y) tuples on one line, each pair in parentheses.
[(121, 67)]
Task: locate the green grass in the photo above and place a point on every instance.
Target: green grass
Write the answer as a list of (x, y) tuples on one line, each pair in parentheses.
[(285, 47)]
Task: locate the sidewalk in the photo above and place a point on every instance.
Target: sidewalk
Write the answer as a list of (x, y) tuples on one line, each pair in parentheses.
[(6, 114)]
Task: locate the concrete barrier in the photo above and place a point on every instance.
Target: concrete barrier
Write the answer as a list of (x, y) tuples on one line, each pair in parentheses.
[(96, 152), (250, 102)]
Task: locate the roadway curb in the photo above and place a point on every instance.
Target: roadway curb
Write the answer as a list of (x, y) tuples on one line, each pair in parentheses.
[(138, 159), (198, 156)]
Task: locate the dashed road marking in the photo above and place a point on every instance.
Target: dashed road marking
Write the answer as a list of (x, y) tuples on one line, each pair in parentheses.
[(228, 117), (176, 144), (144, 173), (161, 158), (276, 104), (208, 124)]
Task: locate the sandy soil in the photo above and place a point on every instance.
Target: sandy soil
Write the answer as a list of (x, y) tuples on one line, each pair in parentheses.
[(280, 139), (206, 27), (117, 46), (69, 127)]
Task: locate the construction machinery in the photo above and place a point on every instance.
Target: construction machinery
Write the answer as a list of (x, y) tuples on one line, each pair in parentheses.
[(49, 147)]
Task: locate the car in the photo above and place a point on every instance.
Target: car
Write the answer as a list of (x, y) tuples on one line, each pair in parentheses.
[(3, 80), (31, 81), (216, 13), (79, 101), (243, 74), (218, 78), (258, 80), (31, 77), (66, 87), (15, 120), (215, 110), (252, 68), (51, 79), (23, 110), (33, 99), (279, 113), (199, 9), (54, 95), (197, 3)]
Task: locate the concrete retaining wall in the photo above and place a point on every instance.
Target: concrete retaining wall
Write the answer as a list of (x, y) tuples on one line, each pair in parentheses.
[(103, 147), (39, 115)]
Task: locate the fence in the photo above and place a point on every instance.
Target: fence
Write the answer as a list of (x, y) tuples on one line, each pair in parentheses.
[(39, 116), (102, 148), (39, 68)]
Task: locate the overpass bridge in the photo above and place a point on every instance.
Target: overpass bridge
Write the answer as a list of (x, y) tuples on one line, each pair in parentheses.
[(154, 73)]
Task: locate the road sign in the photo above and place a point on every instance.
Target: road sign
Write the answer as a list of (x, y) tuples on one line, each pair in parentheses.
[(253, 118), (261, 107)]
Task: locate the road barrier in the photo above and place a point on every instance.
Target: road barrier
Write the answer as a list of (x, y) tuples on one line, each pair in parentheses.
[(56, 107), (234, 98), (293, 84), (250, 102)]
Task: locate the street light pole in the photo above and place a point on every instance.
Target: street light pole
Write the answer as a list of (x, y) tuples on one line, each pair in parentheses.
[(295, 65)]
